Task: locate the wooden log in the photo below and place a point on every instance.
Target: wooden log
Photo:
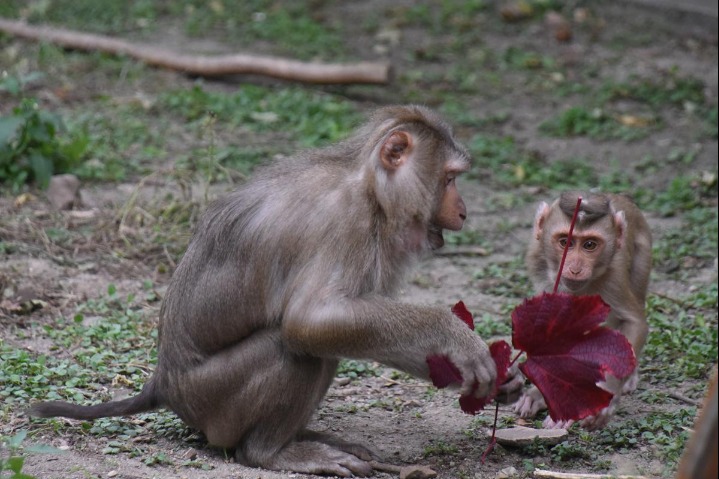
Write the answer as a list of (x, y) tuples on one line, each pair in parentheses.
[(203, 65)]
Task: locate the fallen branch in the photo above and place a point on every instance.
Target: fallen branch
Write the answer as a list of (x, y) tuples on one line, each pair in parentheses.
[(579, 475), (684, 399), (462, 251), (310, 72)]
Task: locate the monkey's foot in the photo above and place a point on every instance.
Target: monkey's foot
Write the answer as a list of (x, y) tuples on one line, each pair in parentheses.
[(631, 383), (353, 448), (550, 423), (313, 457), (593, 423), (530, 403)]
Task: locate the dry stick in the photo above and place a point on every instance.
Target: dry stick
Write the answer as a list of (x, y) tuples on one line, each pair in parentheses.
[(579, 475), (362, 72), (690, 401)]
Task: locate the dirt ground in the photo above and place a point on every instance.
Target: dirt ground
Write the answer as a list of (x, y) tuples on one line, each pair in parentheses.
[(397, 416)]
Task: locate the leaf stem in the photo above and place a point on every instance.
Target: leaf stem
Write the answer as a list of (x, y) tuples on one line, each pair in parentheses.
[(569, 243), (515, 359), (493, 440)]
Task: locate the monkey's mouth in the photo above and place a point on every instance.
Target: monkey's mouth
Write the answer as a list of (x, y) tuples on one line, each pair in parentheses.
[(435, 238), (573, 285)]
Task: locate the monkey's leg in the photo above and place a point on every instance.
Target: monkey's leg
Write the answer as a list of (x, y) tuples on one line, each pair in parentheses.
[(258, 400)]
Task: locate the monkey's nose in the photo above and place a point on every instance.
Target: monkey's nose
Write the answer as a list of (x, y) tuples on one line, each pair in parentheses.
[(463, 216)]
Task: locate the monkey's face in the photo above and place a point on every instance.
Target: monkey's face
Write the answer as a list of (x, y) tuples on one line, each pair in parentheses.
[(580, 267), (451, 212)]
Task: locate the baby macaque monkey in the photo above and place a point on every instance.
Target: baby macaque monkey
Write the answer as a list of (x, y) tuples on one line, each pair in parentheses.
[(296, 269), (610, 254)]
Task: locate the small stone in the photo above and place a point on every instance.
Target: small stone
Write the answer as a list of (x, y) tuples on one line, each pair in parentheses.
[(507, 473), (63, 191), (190, 454), (523, 436), (416, 472)]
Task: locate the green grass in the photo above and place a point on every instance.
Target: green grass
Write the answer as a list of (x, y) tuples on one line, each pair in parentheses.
[(506, 163), (312, 117), (213, 131), (107, 340), (504, 279), (696, 238), (660, 435), (669, 90), (109, 343), (290, 27), (682, 342), (597, 123)]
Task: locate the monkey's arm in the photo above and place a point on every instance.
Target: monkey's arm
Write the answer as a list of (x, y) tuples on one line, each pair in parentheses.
[(397, 334)]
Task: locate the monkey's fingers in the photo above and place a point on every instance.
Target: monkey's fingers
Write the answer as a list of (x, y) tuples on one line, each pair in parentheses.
[(479, 384), (550, 423), (593, 423), (513, 385), (530, 403)]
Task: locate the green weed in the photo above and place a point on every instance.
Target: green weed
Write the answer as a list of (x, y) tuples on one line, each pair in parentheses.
[(440, 448), (488, 326), (352, 368), (35, 144), (13, 452)]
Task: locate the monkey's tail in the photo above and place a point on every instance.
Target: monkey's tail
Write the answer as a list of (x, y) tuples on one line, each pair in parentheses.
[(145, 401)]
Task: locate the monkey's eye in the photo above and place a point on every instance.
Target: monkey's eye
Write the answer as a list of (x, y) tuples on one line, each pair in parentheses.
[(450, 180), (563, 242), (590, 245)]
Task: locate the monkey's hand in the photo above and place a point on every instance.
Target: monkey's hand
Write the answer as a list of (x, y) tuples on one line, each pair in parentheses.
[(509, 391), (530, 403), (476, 366)]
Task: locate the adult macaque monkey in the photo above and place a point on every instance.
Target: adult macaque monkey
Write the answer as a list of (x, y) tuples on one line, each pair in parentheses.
[(610, 255), (297, 269)]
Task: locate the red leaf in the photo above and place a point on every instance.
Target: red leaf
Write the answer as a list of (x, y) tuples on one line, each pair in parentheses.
[(443, 372), (568, 352), (460, 310)]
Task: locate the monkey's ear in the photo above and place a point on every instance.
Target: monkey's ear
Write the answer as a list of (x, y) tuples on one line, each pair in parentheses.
[(620, 223), (395, 150), (539, 217)]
